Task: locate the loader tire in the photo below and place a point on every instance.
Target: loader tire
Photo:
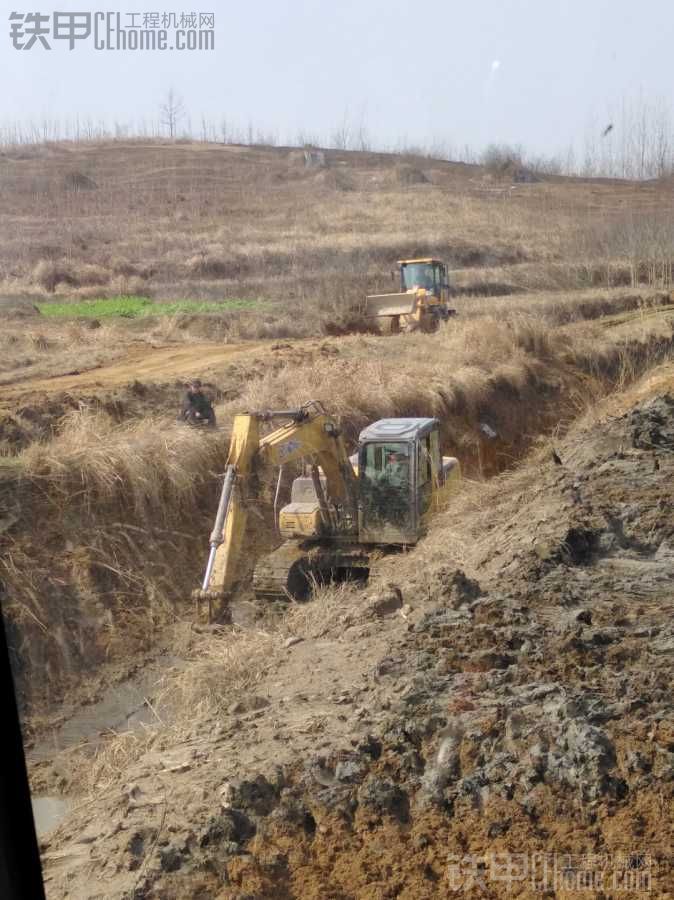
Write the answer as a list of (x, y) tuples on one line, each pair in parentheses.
[(429, 324), (390, 325)]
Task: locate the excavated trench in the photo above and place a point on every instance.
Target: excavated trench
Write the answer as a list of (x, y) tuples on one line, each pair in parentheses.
[(489, 437), (118, 702), (524, 715)]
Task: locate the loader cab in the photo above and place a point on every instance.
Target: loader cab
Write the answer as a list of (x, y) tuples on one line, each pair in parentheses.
[(400, 472), (428, 274)]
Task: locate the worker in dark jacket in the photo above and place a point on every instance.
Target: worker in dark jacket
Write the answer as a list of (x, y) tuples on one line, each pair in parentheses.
[(197, 408)]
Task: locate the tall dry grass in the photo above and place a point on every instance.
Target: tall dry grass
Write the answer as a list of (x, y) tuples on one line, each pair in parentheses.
[(112, 529), (210, 221), (514, 373), (149, 471)]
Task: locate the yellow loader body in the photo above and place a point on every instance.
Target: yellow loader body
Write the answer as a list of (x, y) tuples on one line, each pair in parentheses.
[(421, 304)]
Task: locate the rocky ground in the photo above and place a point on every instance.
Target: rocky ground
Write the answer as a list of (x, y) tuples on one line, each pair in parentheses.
[(503, 728)]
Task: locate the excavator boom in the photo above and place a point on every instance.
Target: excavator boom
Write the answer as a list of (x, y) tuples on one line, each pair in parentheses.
[(310, 435)]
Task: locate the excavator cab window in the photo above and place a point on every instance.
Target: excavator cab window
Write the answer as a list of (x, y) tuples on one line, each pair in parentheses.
[(386, 483)]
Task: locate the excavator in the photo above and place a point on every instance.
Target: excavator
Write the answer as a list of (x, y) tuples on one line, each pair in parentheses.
[(423, 301), (342, 511)]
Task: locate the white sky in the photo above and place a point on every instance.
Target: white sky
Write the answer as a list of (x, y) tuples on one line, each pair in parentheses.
[(413, 71)]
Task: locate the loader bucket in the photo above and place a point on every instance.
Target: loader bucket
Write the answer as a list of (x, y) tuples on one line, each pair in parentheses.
[(390, 304)]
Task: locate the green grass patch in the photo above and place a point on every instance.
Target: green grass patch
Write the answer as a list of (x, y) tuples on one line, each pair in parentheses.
[(136, 307)]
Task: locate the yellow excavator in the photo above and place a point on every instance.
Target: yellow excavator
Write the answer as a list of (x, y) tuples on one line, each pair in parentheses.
[(423, 301), (342, 508)]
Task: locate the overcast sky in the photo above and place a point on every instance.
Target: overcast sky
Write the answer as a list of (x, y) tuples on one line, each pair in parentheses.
[(535, 72)]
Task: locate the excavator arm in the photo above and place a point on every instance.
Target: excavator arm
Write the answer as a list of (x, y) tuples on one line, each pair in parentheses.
[(311, 434)]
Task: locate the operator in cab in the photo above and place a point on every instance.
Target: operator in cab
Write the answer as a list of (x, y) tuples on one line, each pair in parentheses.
[(395, 484), (197, 409), (397, 470)]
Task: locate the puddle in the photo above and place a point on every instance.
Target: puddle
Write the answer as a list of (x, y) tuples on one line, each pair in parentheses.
[(48, 812), (127, 706), (130, 705)]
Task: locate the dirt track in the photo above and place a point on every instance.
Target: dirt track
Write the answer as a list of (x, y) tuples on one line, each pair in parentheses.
[(140, 363), (144, 363)]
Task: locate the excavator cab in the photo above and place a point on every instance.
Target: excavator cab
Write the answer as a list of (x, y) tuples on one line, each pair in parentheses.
[(402, 478)]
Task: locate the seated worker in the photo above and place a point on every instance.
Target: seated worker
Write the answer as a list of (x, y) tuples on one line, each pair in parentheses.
[(197, 408), (397, 471), (398, 478), (390, 492)]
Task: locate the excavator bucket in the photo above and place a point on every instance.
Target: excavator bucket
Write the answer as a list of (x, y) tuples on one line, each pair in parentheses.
[(390, 304)]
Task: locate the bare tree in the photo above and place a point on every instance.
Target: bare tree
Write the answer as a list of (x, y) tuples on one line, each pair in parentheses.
[(662, 142), (172, 110), (342, 134)]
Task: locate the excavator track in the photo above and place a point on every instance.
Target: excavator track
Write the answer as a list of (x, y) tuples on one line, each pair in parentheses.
[(291, 571)]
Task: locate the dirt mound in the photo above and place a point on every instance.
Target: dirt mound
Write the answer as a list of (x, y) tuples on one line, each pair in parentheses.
[(351, 321)]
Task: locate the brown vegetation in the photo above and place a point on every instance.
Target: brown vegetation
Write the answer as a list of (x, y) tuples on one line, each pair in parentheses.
[(209, 221)]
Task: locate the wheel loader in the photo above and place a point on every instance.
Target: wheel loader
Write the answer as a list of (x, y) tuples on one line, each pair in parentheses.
[(342, 509), (423, 301)]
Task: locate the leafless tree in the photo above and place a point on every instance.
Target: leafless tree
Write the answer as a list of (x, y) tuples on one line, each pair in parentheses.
[(342, 134), (172, 110)]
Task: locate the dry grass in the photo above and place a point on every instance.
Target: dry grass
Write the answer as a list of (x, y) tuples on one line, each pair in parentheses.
[(514, 373), (149, 471), (111, 531), (563, 307), (33, 347), (207, 222)]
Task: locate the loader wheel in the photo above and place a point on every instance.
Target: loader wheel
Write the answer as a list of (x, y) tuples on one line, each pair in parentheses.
[(429, 324), (390, 325)]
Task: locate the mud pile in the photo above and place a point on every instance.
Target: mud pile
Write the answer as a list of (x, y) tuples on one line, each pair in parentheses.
[(503, 730)]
